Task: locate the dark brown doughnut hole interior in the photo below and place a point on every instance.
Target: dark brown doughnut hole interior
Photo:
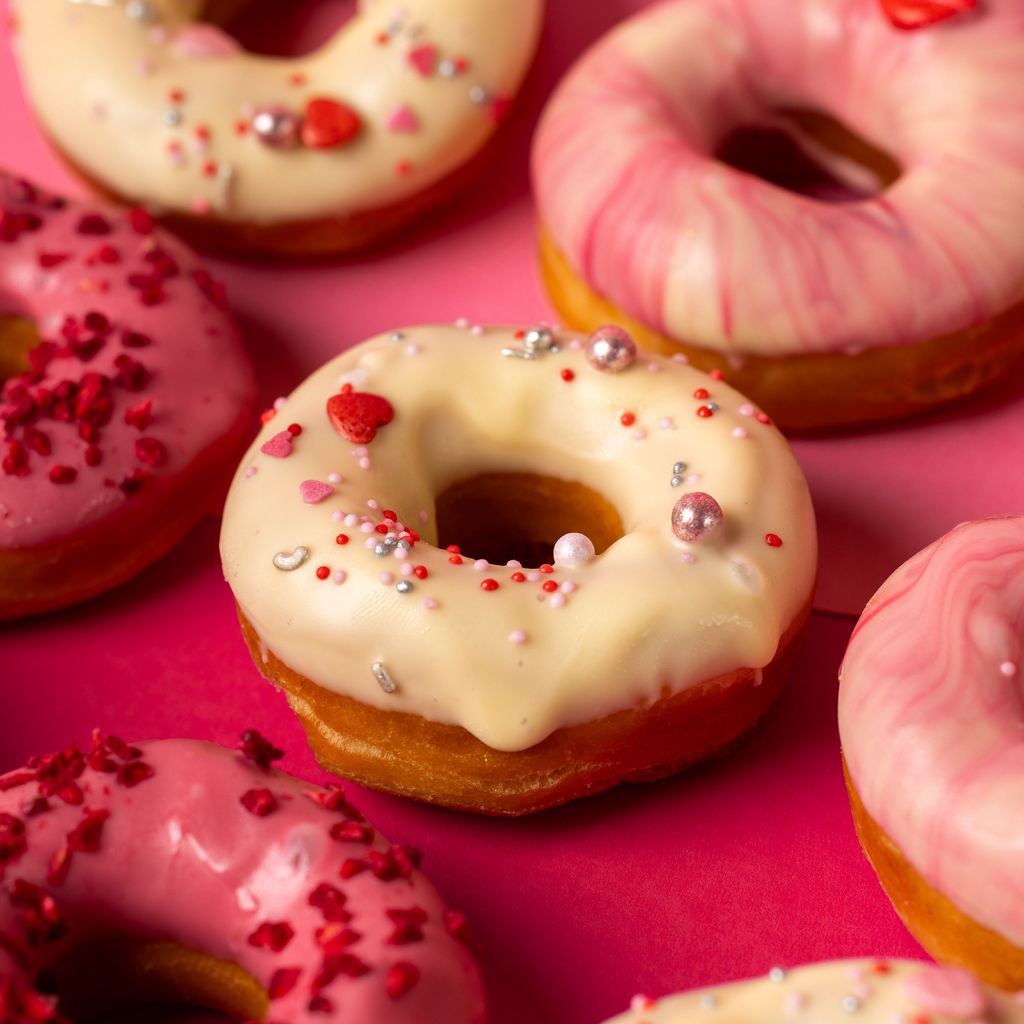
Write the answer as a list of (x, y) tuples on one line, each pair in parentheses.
[(503, 516)]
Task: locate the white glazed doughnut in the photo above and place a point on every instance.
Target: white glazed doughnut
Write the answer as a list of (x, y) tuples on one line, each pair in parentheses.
[(296, 155), (868, 991), (453, 437)]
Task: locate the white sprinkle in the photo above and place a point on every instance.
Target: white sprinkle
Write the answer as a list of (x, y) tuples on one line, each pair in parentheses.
[(708, 1001), (351, 519), (387, 578), (413, 349), (476, 330), (335, 478), (337, 516), (1008, 668), (383, 676), (533, 576), (371, 543), (481, 565), (517, 636), (740, 432), (746, 409), (289, 561), (339, 576), (462, 322), (568, 587), (401, 554), (777, 974), (364, 463), (640, 434), (667, 423), (514, 563), (851, 1004), (557, 600), (367, 528), (693, 478), (360, 452)]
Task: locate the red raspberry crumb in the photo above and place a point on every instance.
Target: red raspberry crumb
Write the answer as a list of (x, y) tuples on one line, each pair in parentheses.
[(401, 977), (260, 802)]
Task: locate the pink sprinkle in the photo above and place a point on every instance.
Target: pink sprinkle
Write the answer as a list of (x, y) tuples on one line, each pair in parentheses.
[(1008, 668), (513, 563), (476, 330), (367, 528), (693, 478), (640, 435), (653, 368), (429, 603), (481, 565), (688, 557), (373, 503), (313, 491), (339, 576), (387, 578), (568, 587), (364, 463), (360, 452), (279, 446), (740, 432), (575, 344), (406, 566), (403, 119), (144, 68), (370, 543), (337, 515), (279, 403), (401, 554), (517, 636), (680, 357), (351, 519), (557, 600), (639, 1003), (532, 576), (423, 515), (667, 423), (250, 471), (746, 409), (335, 478), (462, 322), (99, 111), (795, 1001), (200, 206), (413, 348), (200, 40)]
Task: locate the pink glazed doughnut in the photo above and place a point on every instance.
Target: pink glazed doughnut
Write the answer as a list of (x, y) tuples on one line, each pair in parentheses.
[(178, 871), (903, 289), (115, 430), (931, 715)]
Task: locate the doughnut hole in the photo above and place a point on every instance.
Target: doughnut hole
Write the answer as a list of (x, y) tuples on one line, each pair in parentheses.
[(18, 336), (269, 27), (505, 516), (811, 153), (104, 977)]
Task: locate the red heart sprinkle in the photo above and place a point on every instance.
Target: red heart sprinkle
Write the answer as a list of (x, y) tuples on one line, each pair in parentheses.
[(329, 123), (356, 415), (909, 14)]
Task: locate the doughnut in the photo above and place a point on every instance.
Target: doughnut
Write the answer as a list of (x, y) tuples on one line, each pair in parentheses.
[(241, 152), (182, 872), (877, 991), (500, 568), (893, 286), (931, 722), (124, 396)]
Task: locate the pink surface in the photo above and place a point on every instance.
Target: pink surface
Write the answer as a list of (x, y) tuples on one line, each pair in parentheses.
[(710, 876)]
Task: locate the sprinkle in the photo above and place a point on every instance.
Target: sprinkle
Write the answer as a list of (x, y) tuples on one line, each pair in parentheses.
[(322, 572), (429, 603), (557, 600), (335, 478), (489, 584), (667, 423), (288, 562), (481, 565), (777, 975), (708, 1001), (704, 411), (851, 1004), (342, 538), (773, 540), (313, 491), (339, 576), (383, 677), (639, 1003), (517, 636), (740, 432), (640, 435), (387, 578), (795, 1001), (701, 394), (678, 468), (250, 471), (627, 419), (404, 586), (1008, 668), (568, 587), (403, 119), (746, 409), (567, 375)]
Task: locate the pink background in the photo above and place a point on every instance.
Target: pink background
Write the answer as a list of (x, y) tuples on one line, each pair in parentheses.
[(713, 875)]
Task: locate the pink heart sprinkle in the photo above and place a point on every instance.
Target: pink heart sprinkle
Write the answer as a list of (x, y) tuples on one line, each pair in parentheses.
[(279, 446), (203, 40), (423, 59), (947, 990), (313, 491), (403, 119)]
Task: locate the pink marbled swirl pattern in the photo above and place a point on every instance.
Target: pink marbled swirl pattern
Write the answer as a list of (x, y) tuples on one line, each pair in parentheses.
[(931, 716), (629, 193)]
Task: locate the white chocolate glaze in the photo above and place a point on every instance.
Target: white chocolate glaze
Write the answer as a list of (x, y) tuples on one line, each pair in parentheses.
[(837, 992), (649, 615), (931, 717), (428, 78), (629, 189)]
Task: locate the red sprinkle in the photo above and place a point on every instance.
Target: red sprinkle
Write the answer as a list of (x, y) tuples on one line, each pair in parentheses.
[(258, 750), (457, 925), (260, 802), (518, 577), (627, 419), (763, 418), (141, 221), (420, 572), (294, 429), (567, 375), (455, 559), (272, 935), (488, 584), (549, 586), (342, 538), (773, 540), (704, 411), (545, 568), (352, 832), (401, 977), (701, 394), (282, 981), (382, 528), (330, 901), (63, 474), (150, 451), (716, 374), (134, 772), (47, 260), (176, 95), (322, 572)]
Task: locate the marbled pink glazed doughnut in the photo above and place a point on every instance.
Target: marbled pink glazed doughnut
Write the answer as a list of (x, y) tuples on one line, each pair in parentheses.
[(181, 871), (931, 715), (115, 428), (826, 312)]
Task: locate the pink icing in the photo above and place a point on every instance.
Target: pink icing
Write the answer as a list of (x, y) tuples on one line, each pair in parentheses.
[(933, 728), (948, 991), (129, 306), (205, 848), (630, 194), (202, 40)]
